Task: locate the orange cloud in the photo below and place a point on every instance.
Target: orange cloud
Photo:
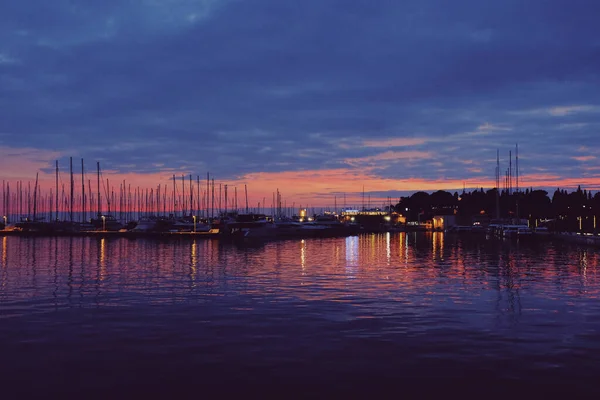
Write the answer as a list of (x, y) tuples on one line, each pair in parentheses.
[(309, 186), (553, 180), (584, 158), (22, 163), (560, 111)]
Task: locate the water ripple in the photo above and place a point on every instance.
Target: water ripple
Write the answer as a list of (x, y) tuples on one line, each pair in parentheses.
[(344, 304)]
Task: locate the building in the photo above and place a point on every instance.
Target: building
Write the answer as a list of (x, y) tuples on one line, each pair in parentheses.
[(371, 220), (443, 222)]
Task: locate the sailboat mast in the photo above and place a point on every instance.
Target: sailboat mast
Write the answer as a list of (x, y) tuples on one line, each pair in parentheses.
[(99, 198), (212, 211), (28, 200), (191, 197), (56, 188), (246, 195), (21, 199), (158, 201), (198, 200), (174, 203), (510, 172), (363, 198), (517, 161), (8, 203), (183, 205), (35, 189), (207, 190), (497, 184), (83, 208), (225, 199), (72, 190), (91, 196), (108, 196), (517, 174)]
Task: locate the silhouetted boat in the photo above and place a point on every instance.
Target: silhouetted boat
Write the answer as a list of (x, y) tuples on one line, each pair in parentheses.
[(106, 223)]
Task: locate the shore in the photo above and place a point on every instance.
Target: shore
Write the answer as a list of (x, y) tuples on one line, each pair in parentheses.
[(127, 234)]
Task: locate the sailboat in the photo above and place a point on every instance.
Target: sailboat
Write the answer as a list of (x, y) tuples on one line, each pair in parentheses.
[(104, 222)]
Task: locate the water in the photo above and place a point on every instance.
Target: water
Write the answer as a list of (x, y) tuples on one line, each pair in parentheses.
[(375, 314)]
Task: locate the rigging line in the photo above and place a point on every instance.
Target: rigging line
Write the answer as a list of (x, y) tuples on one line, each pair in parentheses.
[(104, 186)]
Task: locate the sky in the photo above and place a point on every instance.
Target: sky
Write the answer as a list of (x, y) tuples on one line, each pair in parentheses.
[(316, 98)]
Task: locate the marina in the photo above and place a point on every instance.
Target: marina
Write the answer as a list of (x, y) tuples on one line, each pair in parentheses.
[(317, 200)]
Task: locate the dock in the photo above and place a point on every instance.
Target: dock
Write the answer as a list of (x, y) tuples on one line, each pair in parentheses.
[(579, 238), (116, 234)]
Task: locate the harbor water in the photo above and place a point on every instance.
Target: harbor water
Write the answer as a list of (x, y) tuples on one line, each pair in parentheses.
[(386, 314)]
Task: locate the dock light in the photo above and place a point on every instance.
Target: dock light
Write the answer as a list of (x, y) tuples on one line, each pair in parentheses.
[(103, 223), (387, 218), (194, 224)]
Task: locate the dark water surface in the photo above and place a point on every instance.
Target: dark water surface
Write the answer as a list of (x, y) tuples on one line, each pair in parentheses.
[(383, 315)]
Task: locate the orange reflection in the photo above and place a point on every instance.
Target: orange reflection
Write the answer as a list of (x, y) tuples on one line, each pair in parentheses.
[(303, 256), (4, 269), (401, 267), (388, 248), (102, 259), (4, 251), (193, 262)]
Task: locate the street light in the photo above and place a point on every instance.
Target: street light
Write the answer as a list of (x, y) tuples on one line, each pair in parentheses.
[(5, 220), (194, 224), (103, 223)]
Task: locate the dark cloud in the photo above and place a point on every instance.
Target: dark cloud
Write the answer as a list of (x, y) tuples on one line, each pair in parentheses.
[(239, 86)]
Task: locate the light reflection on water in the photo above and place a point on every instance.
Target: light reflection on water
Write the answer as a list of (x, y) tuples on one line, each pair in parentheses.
[(415, 263), (405, 267), (463, 297)]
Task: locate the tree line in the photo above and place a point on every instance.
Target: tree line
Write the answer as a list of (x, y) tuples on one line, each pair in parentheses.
[(563, 210)]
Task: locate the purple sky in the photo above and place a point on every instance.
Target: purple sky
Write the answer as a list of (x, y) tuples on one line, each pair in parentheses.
[(390, 91)]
